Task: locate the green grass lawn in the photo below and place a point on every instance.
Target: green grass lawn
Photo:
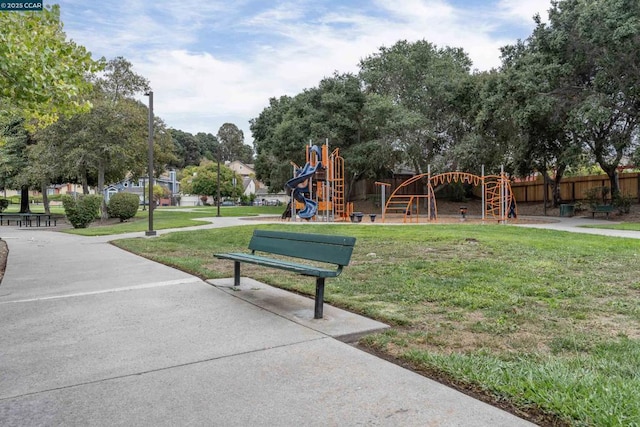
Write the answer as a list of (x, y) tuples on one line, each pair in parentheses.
[(546, 321), (173, 217)]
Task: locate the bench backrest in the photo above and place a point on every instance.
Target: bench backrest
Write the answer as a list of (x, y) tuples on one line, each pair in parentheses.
[(316, 247)]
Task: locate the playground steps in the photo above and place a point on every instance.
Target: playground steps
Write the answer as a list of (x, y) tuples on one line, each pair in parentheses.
[(337, 174), (400, 203)]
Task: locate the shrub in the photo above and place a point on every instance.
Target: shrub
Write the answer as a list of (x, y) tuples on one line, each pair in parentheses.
[(622, 202), (580, 207), (597, 196), (4, 204), (82, 211), (123, 206), (456, 192)]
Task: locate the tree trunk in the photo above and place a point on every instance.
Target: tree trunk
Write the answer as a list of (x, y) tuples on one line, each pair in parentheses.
[(24, 199), (548, 182), (611, 169), (84, 182), (350, 186), (103, 205), (45, 198), (557, 198), (612, 173)]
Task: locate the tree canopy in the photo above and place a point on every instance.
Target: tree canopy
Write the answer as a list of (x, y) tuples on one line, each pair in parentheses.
[(231, 144), (565, 96), (108, 142), (203, 180), (42, 73)]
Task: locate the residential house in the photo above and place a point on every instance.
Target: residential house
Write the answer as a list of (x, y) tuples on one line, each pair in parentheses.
[(250, 185), (140, 187)]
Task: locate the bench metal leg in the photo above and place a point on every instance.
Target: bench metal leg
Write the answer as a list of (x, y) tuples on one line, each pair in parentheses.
[(319, 298), (236, 273)]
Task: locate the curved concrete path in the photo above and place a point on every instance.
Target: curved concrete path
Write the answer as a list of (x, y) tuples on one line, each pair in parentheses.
[(577, 224), (94, 335)]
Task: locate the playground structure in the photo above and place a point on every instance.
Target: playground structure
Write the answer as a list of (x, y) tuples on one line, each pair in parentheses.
[(318, 188), (497, 198)]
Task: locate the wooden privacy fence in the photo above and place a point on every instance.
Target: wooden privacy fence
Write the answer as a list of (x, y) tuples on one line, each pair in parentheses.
[(571, 188), (575, 188)]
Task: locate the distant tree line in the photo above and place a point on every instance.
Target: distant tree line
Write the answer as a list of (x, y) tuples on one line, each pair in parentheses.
[(192, 149)]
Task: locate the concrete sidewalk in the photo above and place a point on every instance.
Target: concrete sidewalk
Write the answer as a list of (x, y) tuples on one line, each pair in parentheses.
[(579, 224), (93, 335)]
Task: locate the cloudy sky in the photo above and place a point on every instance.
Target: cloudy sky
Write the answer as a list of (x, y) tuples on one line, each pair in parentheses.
[(217, 61)]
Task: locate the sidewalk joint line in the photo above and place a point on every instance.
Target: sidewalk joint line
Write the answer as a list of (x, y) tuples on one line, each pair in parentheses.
[(107, 291), (166, 368)]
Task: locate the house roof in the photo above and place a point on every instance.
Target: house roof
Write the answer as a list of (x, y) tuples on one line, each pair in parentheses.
[(240, 168)]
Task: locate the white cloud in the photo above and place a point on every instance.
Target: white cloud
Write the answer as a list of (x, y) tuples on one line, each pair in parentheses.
[(524, 10), (213, 62)]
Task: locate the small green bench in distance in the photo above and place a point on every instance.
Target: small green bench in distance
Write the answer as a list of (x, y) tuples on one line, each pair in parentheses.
[(601, 209), (333, 250)]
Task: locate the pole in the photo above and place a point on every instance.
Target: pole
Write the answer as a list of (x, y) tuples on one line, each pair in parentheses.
[(484, 189), (144, 192), (502, 196), (218, 195), (429, 195), (292, 199), (150, 231), (235, 196)]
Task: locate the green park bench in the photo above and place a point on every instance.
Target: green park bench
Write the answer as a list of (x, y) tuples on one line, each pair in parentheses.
[(601, 209), (333, 250)]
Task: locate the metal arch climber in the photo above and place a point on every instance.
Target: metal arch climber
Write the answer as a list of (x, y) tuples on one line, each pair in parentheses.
[(497, 197)]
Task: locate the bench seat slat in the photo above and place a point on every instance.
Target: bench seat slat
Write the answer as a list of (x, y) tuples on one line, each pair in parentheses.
[(305, 270)]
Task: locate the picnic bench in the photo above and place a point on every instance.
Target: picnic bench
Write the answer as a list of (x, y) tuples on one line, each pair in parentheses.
[(334, 252), (601, 209), (28, 219)]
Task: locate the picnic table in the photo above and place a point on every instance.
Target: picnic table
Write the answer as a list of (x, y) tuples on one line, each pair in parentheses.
[(28, 219)]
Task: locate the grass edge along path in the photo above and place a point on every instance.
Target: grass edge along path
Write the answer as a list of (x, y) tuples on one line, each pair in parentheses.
[(546, 321), (174, 217)]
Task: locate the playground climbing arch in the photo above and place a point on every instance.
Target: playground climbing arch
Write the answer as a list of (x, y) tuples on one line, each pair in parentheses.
[(497, 197)]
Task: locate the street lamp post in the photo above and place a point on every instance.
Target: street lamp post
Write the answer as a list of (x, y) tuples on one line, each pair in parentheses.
[(235, 195), (150, 231), (218, 195)]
